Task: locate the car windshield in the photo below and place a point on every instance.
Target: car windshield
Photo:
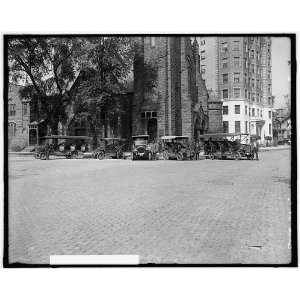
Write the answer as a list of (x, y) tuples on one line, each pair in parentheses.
[(140, 141)]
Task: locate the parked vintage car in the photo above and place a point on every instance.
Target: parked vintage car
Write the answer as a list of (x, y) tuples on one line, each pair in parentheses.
[(61, 145), (226, 146), (140, 147), (177, 147), (111, 148)]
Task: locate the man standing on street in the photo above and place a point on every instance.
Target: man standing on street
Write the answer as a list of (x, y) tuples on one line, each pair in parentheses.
[(255, 149)]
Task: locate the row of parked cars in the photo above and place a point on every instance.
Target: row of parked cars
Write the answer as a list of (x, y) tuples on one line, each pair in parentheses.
[(140, 147)]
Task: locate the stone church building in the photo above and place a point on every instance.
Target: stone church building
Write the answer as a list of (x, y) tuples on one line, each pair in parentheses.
[(170, 96)]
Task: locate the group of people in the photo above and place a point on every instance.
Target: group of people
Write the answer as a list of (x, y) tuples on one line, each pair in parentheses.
[(154, 148)]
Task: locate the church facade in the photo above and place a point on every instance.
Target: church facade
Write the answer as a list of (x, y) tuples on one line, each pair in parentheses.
[(170, 96)]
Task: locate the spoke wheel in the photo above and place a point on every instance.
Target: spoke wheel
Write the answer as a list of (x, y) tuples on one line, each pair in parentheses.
[(165, 155), (101, 155), (179, 156)]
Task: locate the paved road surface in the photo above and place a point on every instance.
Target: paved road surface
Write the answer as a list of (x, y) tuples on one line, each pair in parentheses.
[(165, 211)]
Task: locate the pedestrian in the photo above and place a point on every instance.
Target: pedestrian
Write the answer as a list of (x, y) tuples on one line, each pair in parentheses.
[(151, 147), (197, 150), (47, 150), (255, 149), (155, 149)]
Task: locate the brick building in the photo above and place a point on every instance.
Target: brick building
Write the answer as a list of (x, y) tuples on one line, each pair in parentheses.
[(170, 97), (240, 76), (18, 119)]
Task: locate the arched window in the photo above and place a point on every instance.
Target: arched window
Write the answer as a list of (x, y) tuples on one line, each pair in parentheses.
[(12, 129)]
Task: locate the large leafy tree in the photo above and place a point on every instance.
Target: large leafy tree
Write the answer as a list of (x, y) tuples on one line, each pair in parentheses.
[(105, 76), (82, 72), (50, 67)]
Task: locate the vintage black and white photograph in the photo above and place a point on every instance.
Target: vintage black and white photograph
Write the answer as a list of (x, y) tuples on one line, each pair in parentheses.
[(150, 149)]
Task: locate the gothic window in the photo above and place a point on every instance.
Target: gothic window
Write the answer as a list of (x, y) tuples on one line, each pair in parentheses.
[(12, 110), (12, 129), (24, 108)]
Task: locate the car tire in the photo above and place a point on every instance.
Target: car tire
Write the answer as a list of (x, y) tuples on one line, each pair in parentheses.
[(165, 155), (179, 156), (43, 156), (237, 156), (101, 155)]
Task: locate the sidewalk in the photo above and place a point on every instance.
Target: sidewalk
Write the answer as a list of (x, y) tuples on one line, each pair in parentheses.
[(281, 147)]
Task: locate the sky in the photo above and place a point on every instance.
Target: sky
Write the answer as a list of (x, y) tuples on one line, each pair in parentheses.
[(281, 71)]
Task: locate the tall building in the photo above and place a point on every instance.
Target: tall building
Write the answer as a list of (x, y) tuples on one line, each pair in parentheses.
[(170, 97), (242, 68)]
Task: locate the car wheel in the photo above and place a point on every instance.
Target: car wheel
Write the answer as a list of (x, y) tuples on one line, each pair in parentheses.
[(101, 155), (119, 154), (165, 155), (237, 156), (37, 155), (43, 156), (179, 156)]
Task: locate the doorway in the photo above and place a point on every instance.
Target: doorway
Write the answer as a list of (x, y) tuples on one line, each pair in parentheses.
[(152, 128)]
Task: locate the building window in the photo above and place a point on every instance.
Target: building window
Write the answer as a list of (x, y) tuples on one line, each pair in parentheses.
[(237, 109), (269, 75), (246, 126), (202, 54), (236, 62), (253, 112), (225, 63), (152, 41), (252, 68), (225, 78), (202, 43), (246, 110), (236, 77), (257, 110), (236, 45), (225, 110), (270, 129), (148, 114), (203, 69), (253, 83), (252, 54), (269, 100), (12, 129), (12, 110), (261, 113), (225, 126), (270, 114), (24, 109), (269, 88), (237, 126), (236, 93), (225, 94), (224, 47)]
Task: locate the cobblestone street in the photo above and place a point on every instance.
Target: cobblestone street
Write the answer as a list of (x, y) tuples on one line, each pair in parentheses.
[(208, 211)]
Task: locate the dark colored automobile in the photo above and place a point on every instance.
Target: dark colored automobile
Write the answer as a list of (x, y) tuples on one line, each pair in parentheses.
[(61, 146), (177, 147), (140, 147), (111, 148), (227, 146)]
